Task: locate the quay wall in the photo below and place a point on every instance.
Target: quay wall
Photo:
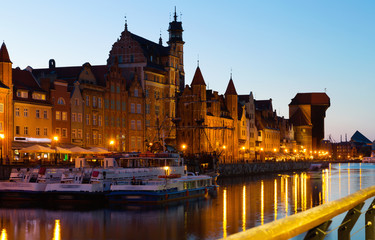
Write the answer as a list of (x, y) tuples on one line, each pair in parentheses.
[(241, 169)]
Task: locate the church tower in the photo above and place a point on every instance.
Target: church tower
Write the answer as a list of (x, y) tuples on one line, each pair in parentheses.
[(6, 105), (176, 59)]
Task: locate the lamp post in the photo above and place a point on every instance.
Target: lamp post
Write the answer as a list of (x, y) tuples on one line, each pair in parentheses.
[(224, 147), (243, 153), (1, 157), (112, 143), (56, 139)]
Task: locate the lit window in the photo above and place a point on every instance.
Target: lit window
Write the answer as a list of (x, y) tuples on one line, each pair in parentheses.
[(58, 115), (64, 116), (132, 125)]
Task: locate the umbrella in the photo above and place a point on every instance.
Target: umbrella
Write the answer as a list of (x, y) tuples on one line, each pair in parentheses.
[(37, 149), (99, 150), (63, 150), (80, 150)]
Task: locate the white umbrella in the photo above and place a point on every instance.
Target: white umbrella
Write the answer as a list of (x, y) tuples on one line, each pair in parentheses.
[(62, 150), (80, 150), (37, 149), (99, 150)]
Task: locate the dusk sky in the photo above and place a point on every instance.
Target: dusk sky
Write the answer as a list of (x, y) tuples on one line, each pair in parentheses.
[(275, 49)]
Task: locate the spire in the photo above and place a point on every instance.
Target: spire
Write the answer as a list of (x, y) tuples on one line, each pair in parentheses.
[(175, 14), (160, 40), (4, 56), (231, 90), (198, 78), (126, 24)]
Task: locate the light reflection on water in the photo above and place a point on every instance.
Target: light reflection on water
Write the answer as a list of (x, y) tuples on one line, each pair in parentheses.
[(241, 203)]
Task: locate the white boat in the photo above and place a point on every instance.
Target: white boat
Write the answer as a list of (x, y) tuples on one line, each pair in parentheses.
[(28, 184), (165, 188), (369, 159)]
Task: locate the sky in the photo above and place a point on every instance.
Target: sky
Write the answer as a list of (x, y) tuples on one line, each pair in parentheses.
[(272, 48)]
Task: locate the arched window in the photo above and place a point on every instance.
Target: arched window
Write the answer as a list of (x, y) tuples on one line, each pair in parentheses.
[(61, 101)]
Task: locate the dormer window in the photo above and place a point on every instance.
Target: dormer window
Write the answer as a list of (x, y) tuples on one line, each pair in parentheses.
[(38, 96), (136, 92), (22, 94)]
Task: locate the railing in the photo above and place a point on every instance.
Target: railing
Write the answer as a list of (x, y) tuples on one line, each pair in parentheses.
[(316, 221)]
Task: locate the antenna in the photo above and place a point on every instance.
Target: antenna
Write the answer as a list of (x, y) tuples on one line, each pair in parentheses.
[(230, 73), (198, 60)]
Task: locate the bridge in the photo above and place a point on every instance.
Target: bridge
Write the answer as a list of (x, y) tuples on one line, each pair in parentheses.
[(317, 220)]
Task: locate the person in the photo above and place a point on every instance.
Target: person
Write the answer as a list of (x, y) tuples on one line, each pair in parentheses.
[(7, 160)]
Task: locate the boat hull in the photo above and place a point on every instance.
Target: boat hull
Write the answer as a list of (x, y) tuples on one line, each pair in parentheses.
[(156, 197)]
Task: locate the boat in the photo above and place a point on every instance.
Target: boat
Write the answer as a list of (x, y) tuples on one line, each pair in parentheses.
[(370, 159), (28, 183), (165, 188)]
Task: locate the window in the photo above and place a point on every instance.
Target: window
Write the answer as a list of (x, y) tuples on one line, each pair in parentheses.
[(118, 89), (22, 94), (87, 100), (146, 91), (132, 108), (147, 108), (39, 96), (74, 117), (94, 101), (79, 118), (100, 139), (1, 107), (113, 104), (25, 112), (45, 131), (118, 106), (57, 131), (100, 120), (139, 108), (64, 116), (123, 106), (87, 138), (157, 108), (37, 131), (87, 119), (132, 125), (17, 130), (94, 119), (58, 115), (147, 123), (76, 101), (74, 133), (79, 133), (131, 58), (112, 88), (132, 143), (61, 101), (64, 132), (139, 125), (100, 102), (17, 112), (45, 115), (139, 143), (94, 138), (136, 92), (25, 130)]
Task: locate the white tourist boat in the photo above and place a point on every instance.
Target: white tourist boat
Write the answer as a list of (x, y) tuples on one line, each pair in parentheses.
[(28, 183), (370, 159), (165, 188)]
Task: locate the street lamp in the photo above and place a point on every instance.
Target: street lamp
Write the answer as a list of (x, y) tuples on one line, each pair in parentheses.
[(224, 147), (111, 143), (56, 139), (243, 153), (1, 157)]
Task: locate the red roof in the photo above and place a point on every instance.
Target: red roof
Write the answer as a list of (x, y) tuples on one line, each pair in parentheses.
[(311, 99), (4, 56), (198, 78), (231, 90)]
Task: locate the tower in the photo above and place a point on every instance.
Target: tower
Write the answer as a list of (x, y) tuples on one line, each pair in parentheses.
[(231, 100), (176, 45), (6, 104)]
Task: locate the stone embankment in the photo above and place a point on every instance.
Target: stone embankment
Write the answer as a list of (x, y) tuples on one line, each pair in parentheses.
[(242, 169)]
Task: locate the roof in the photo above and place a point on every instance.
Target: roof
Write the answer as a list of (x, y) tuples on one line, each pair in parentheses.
[(359, 138), (23, 79), (231, 90), (263, 104), (149, 47), (311, 99), (71, 74), (4, 56), (198, 78)]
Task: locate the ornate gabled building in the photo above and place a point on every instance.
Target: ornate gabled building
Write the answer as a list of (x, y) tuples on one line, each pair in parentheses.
[(160, 71)]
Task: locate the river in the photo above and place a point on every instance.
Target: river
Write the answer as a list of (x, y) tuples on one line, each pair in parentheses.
[(241, 203)]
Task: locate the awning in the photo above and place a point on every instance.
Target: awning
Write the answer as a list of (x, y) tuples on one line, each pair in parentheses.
[(99, 150), (62, 150), (80, 150)]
